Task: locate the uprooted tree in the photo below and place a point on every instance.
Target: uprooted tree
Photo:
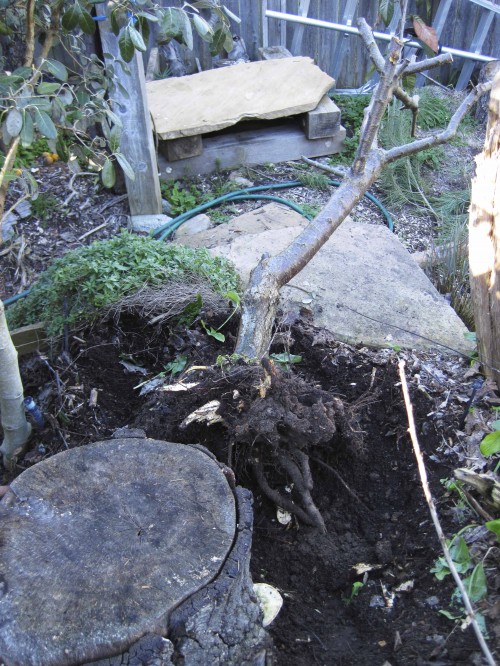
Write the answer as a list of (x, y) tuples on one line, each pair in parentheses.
[(261, 299), (288, 446)]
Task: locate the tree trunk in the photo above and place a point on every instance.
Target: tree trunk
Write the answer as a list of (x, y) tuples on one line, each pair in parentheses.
[(484, 242), (16, 429)]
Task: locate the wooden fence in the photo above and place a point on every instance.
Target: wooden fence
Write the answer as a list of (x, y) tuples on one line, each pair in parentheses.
[(321, 44)]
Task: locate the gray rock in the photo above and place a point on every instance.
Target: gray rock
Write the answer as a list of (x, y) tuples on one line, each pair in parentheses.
[(193, 226), (237, 178), (8, 225), (147, 223), (363, 286)]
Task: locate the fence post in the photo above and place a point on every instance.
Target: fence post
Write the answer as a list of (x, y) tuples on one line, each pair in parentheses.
[(137, 137), (484, 242)]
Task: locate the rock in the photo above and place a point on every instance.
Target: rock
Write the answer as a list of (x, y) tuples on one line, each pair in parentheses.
[(166, 207), (195, 225), (8, 225), (190, 105), (145, 224), (237, 178), (23, 209), (363, 286)]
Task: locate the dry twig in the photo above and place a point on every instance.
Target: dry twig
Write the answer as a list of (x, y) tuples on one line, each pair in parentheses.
[(435, 519)]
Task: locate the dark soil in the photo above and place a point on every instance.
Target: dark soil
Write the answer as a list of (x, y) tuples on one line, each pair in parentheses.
[(366, 483)]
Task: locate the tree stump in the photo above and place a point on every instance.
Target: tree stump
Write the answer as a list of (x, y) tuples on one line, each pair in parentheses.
[(128, 551)]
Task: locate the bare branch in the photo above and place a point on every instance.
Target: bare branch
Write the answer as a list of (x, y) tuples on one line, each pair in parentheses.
[(376, 109), (365, 32), (441, 137), (435, 519), (324, 167), (431, 63), (30, 33)]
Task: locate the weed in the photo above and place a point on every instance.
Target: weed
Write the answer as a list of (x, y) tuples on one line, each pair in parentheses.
[(311, 210), (352, 113), (491, 443), (179, 197), (313, 180), (43, 206), (94, 277), (285, 359), (215, 332)]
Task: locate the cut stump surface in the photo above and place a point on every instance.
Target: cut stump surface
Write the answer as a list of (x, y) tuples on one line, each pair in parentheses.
[(100, 543)]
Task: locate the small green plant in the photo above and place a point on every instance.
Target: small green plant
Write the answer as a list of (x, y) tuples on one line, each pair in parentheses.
[(474, 582), (285, 359), (352, 109), (355, 590), (310, 210), (313, 179), (215, 332), (181, 198), (176, 366), (491, 443), (94, 277), (43, 206)]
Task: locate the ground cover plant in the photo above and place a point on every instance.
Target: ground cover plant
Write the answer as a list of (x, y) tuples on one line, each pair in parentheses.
[(76, 288)]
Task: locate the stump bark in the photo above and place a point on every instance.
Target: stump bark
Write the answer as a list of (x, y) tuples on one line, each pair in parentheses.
[(128, 551)]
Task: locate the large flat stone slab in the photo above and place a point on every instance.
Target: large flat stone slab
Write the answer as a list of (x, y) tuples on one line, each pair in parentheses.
[(218, 98), (361, 274)]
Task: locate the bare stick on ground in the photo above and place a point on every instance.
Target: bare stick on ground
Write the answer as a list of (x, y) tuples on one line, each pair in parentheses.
[(435, 519)]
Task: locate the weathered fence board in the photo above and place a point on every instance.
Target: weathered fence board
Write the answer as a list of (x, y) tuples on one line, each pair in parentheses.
[(322, 44)]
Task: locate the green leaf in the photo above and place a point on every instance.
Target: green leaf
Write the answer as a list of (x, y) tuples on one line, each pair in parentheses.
[(126, 44), (47, 88), (476, 585), (286, 358), (494, 526), (125, 165), (144, 29), (28, 132), (113, 19), (231, 15), (86, 23), (490, 444), (56, 68), (202, 28), (449, 615), (24, 72), (108, 174), (233, 296), (495, 424), (137, 39), (177, 365), (213, 333), (218, 41), (386, 10), (148, 17), (228, 42), (70, 18), (61, 149), (14, 122), (44, 124)]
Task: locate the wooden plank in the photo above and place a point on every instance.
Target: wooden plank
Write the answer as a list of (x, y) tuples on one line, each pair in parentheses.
[(299, 29), (477, 43), (30, 338), (264, 23), (153, 68), (137, 137), (323, 121), (180, 149), (244, 148), (283, 24)]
